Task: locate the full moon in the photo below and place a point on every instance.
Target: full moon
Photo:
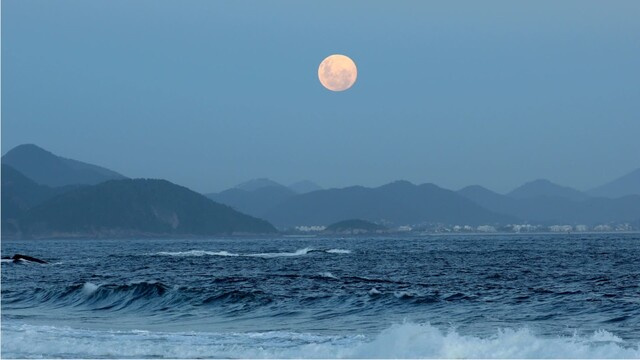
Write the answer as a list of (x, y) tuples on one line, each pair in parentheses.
[(337, 72)]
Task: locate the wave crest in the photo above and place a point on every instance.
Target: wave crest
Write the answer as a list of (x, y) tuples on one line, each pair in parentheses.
[(265, 255)]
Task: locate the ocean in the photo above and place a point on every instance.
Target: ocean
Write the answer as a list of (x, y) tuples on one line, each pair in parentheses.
[(462, 296)]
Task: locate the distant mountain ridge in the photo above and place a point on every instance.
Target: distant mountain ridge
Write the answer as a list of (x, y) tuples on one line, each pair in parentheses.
[(303, 203), (256, 197), (550, 209), (304, 186), (46, 168), (21, 193), (299, 187), (256, 202), (135, 207), (399, 203), (255, 184), (628, 184), (543, 187)]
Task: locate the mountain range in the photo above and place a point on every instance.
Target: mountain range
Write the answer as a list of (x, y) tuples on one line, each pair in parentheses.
[(85, 200), (558, 206), (540, 201), (257, 196), (46, 195), (135, 207), (45, 168), (545, 188), (397, 203)]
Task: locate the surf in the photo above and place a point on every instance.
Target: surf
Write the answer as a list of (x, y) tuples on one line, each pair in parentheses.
[(406, 340)]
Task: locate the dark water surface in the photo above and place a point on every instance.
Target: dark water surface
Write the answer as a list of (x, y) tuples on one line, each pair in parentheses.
[(434, 296)]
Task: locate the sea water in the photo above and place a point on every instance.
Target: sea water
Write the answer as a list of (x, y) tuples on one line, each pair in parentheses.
[(462, 296)]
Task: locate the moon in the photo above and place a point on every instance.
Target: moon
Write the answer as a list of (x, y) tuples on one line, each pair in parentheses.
[(337, 72)]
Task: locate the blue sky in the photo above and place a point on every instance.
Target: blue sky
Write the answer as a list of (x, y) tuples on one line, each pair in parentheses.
[(208, 94)]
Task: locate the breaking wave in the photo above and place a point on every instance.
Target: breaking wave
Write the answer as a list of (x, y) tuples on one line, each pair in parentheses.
[(266, 255), (406, 340), (195, 253)]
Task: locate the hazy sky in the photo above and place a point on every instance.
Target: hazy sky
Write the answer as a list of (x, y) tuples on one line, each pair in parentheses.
[(208, 94)]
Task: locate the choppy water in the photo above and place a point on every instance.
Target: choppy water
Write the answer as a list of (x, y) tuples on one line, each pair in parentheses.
[(570, 296)]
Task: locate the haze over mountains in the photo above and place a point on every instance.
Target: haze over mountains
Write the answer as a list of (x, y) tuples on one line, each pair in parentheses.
[(48, 169), (545, 188), (539, 201), (554, 208), (54, 196), (622, 186)]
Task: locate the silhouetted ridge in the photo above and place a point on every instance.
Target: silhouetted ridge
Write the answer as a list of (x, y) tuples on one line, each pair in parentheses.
[(259, 183), (628, 184), (255, 202), (304, 186), (136, 207), (46, 168), (550, 209), (398, 203), (543, 187), (19, 194)]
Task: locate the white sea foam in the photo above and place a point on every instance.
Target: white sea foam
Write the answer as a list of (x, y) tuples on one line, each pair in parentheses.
[(268, 255), (338, 251), (398, 341), (195, 253), (328, 275), (304, 251), (402, 294), (89, 288)]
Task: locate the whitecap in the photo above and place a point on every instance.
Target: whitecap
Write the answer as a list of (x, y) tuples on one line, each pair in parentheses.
[(402, 294), (195, 253), (299, 252), (265, 255), (338, 251), (328, 275), (89, 288), (374, 291)]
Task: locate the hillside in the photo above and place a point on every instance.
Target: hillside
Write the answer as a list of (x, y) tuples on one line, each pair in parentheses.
[(546, 188), (140, 207), (628, 184), (255, 184), (396, 203), (46, 168), (255, 202), (556, 209), (304, 186), (20, 193), (489, 199)]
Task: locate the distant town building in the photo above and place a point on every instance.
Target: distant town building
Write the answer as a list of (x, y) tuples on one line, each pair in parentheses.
[(582, 228), (523, 228), (315, 228), (602, 228), (486, 229)]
